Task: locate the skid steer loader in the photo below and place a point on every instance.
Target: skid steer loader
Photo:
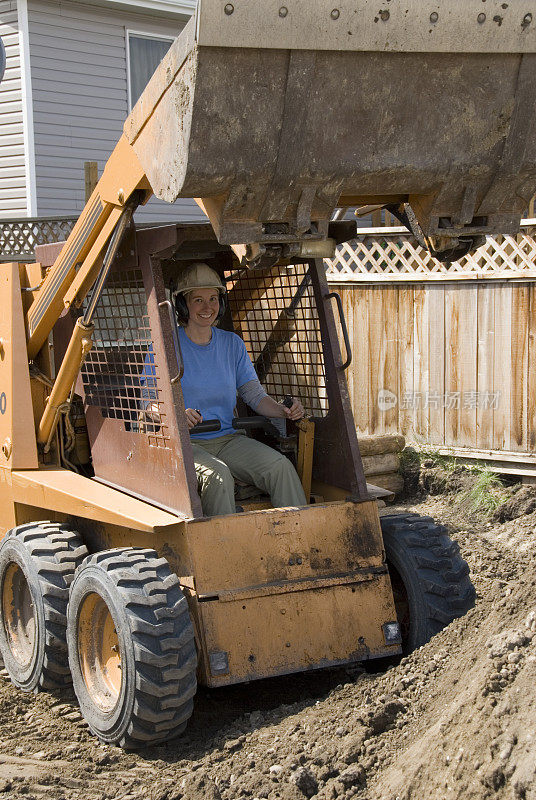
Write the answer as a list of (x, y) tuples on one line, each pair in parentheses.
[(271, 116)]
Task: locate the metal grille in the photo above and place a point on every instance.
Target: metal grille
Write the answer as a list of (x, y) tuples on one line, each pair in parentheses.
[(120, 373), (275, 314), (20, 237)]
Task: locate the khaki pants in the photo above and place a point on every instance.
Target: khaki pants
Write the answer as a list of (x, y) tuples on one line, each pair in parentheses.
[(220, 460)]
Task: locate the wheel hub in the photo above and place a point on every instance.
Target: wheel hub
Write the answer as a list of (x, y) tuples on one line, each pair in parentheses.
[(98, 652), (18, 615)]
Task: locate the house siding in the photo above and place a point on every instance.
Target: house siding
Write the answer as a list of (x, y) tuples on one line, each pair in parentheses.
[(13, 184), (80, 100)]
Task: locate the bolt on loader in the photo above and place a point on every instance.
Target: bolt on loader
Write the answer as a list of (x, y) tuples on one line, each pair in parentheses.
[(111, 577)]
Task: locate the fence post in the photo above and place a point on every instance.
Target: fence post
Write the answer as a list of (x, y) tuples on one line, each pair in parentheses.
[(91, 176), (377, 218)]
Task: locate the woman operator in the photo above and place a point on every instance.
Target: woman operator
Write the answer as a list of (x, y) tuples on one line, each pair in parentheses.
[(216, 368)]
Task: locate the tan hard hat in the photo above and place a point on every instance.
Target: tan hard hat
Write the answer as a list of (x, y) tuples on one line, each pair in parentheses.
[(198, 276)]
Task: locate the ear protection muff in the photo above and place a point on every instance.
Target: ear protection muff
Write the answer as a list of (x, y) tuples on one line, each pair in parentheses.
[(223, 306), (181, 309)]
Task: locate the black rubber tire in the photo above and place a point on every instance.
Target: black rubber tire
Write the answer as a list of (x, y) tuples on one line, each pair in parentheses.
[(156, 645), (47, 554), (430, 579)]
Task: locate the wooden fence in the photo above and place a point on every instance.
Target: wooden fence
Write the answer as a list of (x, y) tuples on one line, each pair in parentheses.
[(444, 355)]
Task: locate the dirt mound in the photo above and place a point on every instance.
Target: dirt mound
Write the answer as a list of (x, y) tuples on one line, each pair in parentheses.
[(522, 501), (435, 479), (455, 719)]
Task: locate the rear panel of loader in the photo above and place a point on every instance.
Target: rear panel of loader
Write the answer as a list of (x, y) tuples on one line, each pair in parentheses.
[(286, 590)]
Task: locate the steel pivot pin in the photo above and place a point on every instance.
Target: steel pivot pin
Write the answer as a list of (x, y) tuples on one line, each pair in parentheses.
[(434, 16), (335, 14), (283, 11), (481, 18), (229, 8)]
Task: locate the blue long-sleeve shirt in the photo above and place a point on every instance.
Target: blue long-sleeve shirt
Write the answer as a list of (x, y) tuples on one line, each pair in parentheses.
[(213, 373)]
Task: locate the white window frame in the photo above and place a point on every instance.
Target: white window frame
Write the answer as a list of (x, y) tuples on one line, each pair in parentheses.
[(143, 35)]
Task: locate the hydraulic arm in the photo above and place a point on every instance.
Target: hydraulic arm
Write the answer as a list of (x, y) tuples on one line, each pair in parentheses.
[(77, 266)]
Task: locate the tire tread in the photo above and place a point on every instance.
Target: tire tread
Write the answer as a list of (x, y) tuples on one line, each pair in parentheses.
[(163, 644), (442, 573), (56, 551)]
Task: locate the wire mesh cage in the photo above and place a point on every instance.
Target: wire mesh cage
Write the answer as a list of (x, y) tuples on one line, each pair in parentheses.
[(274, 311), (120, 374)]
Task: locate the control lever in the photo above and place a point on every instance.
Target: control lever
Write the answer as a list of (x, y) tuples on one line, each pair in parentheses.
[(302, 423), (248, 423), (207, 426)]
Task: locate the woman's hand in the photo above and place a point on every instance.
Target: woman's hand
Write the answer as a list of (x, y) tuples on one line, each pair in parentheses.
[(152, 413), (268, 407), (193, 417), (295, 412)]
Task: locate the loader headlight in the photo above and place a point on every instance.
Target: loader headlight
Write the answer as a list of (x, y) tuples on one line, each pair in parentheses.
[(392, 633)]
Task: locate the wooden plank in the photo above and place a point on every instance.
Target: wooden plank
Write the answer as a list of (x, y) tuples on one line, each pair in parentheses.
[(434, 402), (380, 464), (421, 378), (347, 298), (531, 370), (460, 365), (393, 481), (356, 308), (510, 456), (388, 402), (452, 398), (376, 218), (485, 371), (306, 439), (377, 445), (406, 412), (502, 367), (91, 176), (519, 384), (374, 357), (382, 379)]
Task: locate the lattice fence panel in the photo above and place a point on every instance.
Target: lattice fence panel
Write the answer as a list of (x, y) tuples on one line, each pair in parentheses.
[(19, 237), (396, 256)]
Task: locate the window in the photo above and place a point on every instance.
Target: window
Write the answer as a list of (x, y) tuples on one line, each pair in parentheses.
[(144, 53)]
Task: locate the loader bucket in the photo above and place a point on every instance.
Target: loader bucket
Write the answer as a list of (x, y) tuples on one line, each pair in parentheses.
[(273, 115)]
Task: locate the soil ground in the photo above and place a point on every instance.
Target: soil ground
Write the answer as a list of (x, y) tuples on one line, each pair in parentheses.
[(455, 719)]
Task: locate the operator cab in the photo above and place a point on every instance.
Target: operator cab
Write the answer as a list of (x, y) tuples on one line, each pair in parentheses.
[(284, 315)]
